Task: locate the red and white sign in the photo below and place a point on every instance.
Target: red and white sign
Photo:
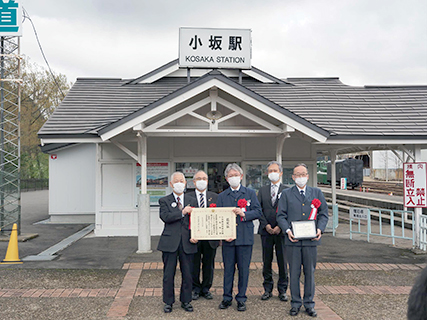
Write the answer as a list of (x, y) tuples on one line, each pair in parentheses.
[(343, 183), (53, 156), (415, 184)]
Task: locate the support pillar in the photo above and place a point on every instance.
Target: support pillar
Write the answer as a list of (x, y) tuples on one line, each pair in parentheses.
[(144, 229), (280, 140), (333, 177)]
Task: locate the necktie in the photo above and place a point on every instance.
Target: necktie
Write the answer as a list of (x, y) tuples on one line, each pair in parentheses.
[(202, 201), (273, 194), (302, 194), (179, 203)]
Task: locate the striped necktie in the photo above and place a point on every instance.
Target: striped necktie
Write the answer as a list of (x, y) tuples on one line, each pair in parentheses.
[(202, 201), (179, 203)]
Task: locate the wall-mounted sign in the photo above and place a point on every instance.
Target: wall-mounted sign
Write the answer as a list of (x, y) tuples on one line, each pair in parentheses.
[(157, 180), (52, 156), (10, 18), (215, 48), (415, 184)]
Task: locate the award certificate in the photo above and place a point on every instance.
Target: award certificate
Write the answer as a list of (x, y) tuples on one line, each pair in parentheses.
[(304, 229), (213, 223)]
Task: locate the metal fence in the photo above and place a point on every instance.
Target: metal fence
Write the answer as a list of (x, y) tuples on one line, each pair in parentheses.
[(34, 184), (394, 224), (423, 232), (333, 222)]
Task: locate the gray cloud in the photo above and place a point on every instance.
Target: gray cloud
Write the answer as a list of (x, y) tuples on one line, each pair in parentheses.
[(362, 42)]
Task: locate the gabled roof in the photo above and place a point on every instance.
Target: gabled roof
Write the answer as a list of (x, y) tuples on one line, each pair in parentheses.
[(325, 105)]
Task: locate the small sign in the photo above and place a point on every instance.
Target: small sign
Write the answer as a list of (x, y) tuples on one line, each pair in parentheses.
[(215, 48), (343, 183), (359, 213), (415, 184), (10, 18), (52, 156)]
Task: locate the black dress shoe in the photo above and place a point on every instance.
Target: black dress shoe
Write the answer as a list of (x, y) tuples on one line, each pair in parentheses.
[(225, 304), (187, 306), (241, 306), (207, 295), (311, 312), (294, 311), (195, 296), (266, 295), (283, 297), (167, 308)]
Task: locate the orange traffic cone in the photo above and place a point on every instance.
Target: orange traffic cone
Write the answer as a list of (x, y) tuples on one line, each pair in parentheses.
[(12, 253)]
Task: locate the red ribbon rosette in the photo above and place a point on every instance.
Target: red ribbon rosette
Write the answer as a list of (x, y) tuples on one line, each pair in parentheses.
[(212, 205), (315, 204), (242, 203)]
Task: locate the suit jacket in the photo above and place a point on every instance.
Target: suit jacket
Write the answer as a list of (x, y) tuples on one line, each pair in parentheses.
[(269, 211), (211, 198), (292, 207), (245, 228), (176, 226)]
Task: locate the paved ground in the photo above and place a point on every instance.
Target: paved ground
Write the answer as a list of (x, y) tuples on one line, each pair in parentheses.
[(103, 278)]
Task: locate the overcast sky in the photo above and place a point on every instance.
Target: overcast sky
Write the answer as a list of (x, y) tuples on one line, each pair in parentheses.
[(362, 42)]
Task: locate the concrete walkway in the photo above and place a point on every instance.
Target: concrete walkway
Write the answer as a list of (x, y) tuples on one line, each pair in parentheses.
[(103, 278)]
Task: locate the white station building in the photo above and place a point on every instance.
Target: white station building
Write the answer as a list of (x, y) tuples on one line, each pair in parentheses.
[(113, 139)]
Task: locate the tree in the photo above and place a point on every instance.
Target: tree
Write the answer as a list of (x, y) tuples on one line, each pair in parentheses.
[(40, 95)]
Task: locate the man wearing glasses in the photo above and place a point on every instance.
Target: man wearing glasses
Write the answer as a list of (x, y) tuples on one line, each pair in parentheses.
[(206, 249), (238, 251), (302, 203)]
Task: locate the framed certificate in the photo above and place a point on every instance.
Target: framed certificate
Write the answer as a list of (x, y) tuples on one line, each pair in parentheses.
[(304, 229), (213, 223)]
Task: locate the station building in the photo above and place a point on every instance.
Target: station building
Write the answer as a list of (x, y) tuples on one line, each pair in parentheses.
[(111, 139)]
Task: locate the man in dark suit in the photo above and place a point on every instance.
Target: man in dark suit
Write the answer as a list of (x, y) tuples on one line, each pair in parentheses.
[(175, 242), (238, 251), (206, 249), (295, 205), (272, 237)]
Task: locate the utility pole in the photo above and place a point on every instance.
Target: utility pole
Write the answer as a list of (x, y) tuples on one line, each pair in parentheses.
[(10, 133)]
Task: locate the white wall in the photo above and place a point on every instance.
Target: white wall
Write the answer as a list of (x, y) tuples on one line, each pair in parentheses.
[(72, 184), (76, 174)]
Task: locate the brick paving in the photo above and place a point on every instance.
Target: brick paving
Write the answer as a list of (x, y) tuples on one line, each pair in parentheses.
[(124, 295)]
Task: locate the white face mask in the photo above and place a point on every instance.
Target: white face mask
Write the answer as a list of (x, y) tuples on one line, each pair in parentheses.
[(201, 185), (178, 187), (234, 182), (301, 181), (274, 176)]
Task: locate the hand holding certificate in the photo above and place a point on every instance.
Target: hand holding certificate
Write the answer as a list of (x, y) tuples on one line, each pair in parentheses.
[(213, 223)]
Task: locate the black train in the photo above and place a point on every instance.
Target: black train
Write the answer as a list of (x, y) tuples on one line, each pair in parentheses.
[(417, 302), (350, 168)]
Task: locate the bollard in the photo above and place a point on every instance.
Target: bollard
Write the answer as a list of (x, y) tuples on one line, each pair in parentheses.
[(12, 253)]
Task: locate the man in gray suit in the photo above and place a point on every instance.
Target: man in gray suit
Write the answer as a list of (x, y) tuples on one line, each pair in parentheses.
[(295, 205), (272, 237), (175, 242)]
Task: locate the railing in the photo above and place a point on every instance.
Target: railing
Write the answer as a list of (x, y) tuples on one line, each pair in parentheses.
[(396, 219), (423, 232), (333, 223)]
